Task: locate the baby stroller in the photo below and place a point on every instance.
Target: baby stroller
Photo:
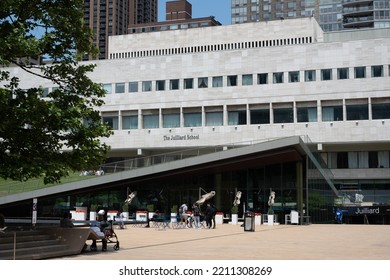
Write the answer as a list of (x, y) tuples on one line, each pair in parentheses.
[(107, 235)]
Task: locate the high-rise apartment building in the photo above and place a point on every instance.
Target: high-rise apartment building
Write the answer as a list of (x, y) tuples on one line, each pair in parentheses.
[(178, 15), (105, 18), (113, 17), (142, 11), (332, 15), (366, 14), (265, 10)]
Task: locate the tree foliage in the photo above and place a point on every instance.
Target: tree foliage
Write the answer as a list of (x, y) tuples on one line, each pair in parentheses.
[(48, 136)]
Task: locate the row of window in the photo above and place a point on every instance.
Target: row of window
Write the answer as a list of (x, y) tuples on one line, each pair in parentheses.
[(215, 47), (353, 160), (254, 114), (174, 26), (360, 72)]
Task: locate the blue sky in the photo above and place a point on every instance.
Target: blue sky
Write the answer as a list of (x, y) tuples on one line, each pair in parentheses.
[(221, 9)]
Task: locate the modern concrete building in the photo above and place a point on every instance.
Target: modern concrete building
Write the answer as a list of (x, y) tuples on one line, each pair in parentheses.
[(288, 107)]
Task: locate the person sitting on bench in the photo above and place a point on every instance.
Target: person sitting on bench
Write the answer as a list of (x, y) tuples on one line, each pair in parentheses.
[(99, 229), (66, 222)]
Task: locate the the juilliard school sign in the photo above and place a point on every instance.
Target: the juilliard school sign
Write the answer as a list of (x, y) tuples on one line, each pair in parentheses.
[(183, 137)]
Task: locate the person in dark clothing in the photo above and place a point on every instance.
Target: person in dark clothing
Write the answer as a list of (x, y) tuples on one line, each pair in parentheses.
[(196, 214), (66, 222), (214, 211), (208, 215), (339, 216)]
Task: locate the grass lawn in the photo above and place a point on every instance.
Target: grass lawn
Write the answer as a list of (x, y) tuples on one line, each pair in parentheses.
[(8, 187)]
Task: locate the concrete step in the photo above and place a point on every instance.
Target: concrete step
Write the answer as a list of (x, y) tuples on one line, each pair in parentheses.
[(23, 238), (42, 243), (34, 253), (30, 245)]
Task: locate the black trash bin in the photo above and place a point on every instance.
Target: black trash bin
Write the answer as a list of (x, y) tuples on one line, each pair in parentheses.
[(249, 221)]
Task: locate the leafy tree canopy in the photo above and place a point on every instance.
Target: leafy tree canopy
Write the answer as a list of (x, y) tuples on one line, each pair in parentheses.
[(48, 136)]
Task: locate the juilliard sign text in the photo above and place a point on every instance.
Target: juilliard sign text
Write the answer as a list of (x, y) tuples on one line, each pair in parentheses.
[(183, 137)]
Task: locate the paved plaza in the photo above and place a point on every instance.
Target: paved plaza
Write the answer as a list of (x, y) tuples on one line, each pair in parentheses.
[(231, 242)]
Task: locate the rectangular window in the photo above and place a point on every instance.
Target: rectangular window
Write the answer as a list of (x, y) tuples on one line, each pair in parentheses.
[(160, 85), (384, 159), (291, 5), (188, 83), (237, 117), (129, 122), (278, 78), (357, 112), (107, 88), (203, 82), (373, 161), (259, 116), (133, 87), (214, 118), (310, 75), (377, 71), (308, 114), (120, 88), (247, 80), (360, 72), (283, 115), (353, 159), (217, 81), (293, 77), (326, 74), (342, 73), (380, 111), (151, 121), (171, 120), (111, 121), (332, 113), (192, 119), (147, 86), (291, 14), (232, 81), (45, 92), (342, 160), (174, 84), (262, 78)]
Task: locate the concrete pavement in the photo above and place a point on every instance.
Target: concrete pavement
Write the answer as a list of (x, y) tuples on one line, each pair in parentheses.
[(231, 242)]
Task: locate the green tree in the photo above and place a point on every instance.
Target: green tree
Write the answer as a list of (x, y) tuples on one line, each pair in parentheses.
[(62, 132)]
